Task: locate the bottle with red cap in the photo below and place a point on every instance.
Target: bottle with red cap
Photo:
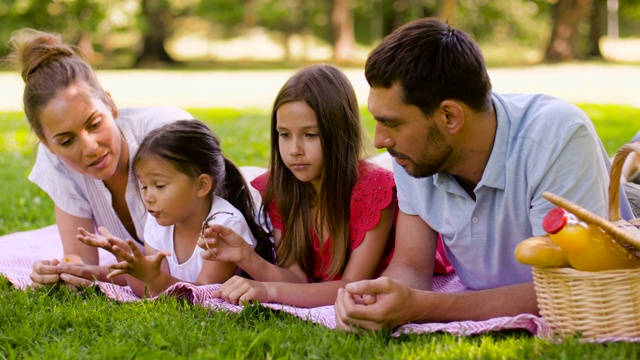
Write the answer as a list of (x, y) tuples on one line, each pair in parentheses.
[(586, 246)]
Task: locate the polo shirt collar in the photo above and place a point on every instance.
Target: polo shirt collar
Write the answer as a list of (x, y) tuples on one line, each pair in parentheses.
[(495, 173)]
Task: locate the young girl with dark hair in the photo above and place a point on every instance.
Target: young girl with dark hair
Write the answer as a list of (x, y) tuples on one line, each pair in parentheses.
[(186, 184)]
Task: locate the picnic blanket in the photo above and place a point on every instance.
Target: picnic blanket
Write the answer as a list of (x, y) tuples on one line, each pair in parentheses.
[(20, 250)]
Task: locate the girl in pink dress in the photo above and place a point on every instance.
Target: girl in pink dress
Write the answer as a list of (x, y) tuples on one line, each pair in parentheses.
[(332, 214)]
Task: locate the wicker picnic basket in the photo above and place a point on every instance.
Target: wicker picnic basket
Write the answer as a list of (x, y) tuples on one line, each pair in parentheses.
[(602, 305)]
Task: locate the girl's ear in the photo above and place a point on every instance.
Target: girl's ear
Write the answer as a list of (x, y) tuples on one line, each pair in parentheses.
[(205, 184)]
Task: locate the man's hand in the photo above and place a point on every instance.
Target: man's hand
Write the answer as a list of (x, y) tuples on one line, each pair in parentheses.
[(373, 305)]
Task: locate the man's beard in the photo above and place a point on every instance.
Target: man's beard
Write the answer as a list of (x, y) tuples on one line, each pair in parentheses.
[(432, 158)]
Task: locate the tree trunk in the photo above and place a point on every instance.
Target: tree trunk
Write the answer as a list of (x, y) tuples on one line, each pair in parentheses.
[(596, 28), (563, 44), (156, 15), (343, 32)]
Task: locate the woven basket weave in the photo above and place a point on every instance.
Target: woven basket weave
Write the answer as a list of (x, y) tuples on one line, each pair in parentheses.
[(603, 305)]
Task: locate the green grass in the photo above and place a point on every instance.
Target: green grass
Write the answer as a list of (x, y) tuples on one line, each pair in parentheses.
[(55, 323)]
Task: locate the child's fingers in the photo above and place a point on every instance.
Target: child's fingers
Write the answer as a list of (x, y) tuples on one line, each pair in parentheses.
[(134, 249), (115, 272), (114, 241), (159, 256), (215, 230), (201, 242), (122, 265), (122, 253)]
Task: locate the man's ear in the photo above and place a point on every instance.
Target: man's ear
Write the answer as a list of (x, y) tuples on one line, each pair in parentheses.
[(453, 114), (205, 184)]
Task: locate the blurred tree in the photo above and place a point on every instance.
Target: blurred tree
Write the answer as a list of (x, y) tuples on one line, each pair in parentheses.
[(155, 23), (629, 18), (342, 30), (120, 33), (567, 16), (597, 19), (232, 15), (284, 16), (75, 20)]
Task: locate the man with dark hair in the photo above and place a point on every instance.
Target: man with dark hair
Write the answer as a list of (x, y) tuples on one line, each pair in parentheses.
[(470, 165)]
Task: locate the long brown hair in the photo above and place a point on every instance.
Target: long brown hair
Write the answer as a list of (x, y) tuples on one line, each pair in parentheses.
[(330, 95), (191, 147), (47, 66)]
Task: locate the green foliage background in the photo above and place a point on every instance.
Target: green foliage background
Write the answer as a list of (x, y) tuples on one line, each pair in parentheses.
[(116, 27)]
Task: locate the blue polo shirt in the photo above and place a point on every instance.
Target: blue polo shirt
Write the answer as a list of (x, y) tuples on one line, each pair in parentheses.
[(541, 144)]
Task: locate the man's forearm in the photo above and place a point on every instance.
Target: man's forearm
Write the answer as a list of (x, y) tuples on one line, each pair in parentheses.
[(477, 305), (409, 275)]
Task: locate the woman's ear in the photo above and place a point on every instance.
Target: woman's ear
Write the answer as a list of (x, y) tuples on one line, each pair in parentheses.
[(205, 184), (453, 114)]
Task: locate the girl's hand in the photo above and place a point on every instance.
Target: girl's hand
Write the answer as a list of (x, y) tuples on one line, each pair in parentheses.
[(134, 263), (100, 241), (238, 289), (223, 244)]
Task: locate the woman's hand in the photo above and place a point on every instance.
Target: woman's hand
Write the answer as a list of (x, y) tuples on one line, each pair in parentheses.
[(134, 263), (224, 244), (238, 289), (45, 272), (78, 275)]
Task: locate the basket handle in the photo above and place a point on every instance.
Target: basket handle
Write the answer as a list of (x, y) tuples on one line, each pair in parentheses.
[(614, 178), (621, 234)]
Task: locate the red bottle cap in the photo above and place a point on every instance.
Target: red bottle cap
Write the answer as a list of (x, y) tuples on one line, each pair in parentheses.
[(555, 220)]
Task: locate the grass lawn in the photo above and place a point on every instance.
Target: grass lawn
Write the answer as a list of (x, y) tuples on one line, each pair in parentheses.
[(55, 323)]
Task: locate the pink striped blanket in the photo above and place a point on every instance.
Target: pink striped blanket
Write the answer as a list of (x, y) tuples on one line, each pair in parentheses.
[(20, 250)]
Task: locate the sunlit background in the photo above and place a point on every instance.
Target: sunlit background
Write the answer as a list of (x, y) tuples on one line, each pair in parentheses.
[(135, 33), (180, 52)]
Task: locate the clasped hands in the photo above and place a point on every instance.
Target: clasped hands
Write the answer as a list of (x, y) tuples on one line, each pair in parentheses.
[(374, 305)]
